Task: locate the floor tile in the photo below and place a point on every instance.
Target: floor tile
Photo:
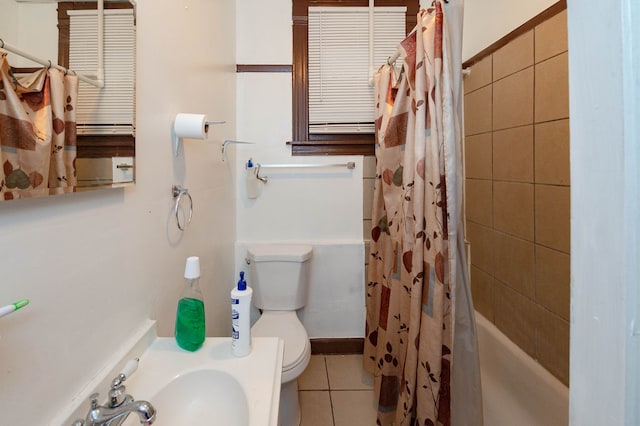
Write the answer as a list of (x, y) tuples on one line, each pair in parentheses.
[(316, 408), (315, 375), (353, 408), (346, 373)]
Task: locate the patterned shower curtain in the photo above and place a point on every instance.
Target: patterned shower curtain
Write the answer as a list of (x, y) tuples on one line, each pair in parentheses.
[(417, 250), (37, 132)]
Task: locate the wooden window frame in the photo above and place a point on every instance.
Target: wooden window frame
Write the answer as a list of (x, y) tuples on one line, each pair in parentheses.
[(304, 143), (92, 146)]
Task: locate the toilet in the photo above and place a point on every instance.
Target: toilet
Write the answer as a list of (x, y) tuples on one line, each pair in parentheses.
[(280, 282)]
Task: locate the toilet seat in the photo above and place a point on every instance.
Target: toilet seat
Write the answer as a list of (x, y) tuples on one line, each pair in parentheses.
[(287, 326)]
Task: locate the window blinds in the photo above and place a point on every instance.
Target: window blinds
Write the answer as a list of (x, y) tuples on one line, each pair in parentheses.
[(110, 110), (340, 98)]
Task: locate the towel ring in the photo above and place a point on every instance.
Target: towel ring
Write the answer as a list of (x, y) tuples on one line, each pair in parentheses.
[(178, 192)]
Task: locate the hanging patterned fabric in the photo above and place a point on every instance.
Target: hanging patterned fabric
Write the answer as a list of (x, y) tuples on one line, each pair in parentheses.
[(37, 131), (410, 308)]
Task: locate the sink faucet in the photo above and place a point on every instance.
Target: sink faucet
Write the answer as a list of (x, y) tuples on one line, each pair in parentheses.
[(104, 415), (119, 405)]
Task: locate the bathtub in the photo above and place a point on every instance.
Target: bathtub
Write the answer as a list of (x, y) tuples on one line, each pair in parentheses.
[(516, 390)]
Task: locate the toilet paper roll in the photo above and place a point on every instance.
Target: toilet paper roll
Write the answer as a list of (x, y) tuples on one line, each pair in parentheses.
[(193, 126)]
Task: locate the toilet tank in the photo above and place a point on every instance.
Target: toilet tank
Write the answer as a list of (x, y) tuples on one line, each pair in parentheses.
[(279, 275)]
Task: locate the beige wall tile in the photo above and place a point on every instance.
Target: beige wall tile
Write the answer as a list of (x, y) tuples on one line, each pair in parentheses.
[(481, 239), (482, 292), (514, 56), (366, 229), (480, 201), (367, 195), (552, 217), (552, 89), (515, 316), (552, 152), (551, 37), (553, 344), (552, 280), (514, 263), (513, 100), (478, 161), (369, 166), (513, 154), (513, 209), (477, 111), (367, 255), (480, 75)]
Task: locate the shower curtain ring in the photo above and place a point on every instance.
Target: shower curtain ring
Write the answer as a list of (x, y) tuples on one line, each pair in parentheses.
[(49, 66), (1, 43)]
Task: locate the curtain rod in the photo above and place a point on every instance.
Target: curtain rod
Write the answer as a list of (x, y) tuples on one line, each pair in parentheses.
[(48, 63)]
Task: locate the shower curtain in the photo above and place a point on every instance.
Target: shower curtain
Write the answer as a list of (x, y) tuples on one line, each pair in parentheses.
[(37, 131), (420, 340)]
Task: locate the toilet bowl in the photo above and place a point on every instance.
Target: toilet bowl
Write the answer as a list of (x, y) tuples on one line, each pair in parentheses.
[(297, 353), (279, 278)]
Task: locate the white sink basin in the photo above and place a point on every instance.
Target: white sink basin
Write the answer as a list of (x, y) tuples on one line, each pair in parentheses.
[(202, 394), (209, 386)]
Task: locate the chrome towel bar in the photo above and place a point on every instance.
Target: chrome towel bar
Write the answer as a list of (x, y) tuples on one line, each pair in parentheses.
[(350, 165)]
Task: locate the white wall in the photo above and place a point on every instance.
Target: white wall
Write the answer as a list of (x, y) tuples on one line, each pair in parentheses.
[(96, 265), (487, 21), (318, 206), (8, 21), (16, 29)]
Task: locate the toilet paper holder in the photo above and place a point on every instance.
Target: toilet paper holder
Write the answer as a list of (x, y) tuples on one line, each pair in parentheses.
[(194, 126)]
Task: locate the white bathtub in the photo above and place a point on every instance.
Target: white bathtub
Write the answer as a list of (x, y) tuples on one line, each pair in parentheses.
[(516, 390)]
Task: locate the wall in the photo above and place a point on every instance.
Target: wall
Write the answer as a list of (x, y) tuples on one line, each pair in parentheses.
[(8, 21), (96, 265), (487, 21), (40, 40), (318, 206), (517, 168)]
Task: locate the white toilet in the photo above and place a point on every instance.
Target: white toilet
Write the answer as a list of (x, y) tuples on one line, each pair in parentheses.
[(280, 282)]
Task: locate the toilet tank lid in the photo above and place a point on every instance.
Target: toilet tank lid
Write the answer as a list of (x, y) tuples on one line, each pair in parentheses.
[(279, 252)]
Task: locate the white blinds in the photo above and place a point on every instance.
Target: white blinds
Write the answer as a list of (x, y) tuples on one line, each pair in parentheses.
[(340, 99), (110, 110)]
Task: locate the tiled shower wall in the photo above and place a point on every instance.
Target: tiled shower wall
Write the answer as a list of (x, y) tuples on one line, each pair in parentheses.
[(517, 170)]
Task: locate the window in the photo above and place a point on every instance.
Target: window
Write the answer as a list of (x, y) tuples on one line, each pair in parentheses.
[(317, 130), (105, 117)]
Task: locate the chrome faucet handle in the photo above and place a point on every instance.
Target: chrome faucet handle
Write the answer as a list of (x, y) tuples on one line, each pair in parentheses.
[(118, 392), (94, 400)]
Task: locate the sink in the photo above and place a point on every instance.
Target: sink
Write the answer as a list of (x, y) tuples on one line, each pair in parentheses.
[(209, 386), (202, 394)]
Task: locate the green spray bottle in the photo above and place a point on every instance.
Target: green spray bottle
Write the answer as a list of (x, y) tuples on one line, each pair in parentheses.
[(190, 321)]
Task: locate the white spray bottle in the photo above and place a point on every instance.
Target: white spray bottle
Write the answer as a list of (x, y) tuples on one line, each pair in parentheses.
[(240, 321)]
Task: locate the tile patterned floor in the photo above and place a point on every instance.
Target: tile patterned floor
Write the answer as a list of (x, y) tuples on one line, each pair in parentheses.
[(334, 390)]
